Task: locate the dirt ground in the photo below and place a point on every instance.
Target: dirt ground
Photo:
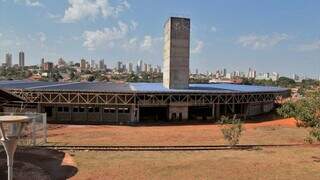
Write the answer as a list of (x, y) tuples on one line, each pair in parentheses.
[(36, 164), (302, 162), (267, 163), (281, 131)]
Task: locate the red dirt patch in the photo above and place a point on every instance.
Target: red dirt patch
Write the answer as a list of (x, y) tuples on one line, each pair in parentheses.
[(289, 122), (275, 131)]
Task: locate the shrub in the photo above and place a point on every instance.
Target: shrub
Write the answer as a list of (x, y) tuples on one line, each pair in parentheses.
[(314, 135), (306, 111), (287, 110), (231, 129)]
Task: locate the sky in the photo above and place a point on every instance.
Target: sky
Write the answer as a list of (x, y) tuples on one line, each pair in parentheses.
[(267, 35)]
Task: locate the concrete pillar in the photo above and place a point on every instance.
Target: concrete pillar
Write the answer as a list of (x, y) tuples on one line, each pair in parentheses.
[(132, 113), (100, 113), (70, 112), (117, 114), (138, 114), (213, 111), (38, 108), (225, 109), (217, 112), (245, 108)]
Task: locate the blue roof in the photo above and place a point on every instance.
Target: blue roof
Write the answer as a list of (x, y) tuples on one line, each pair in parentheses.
[(133, 87), (223, 87)]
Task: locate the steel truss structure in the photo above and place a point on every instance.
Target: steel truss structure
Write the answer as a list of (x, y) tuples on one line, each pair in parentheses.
[(144, 99)]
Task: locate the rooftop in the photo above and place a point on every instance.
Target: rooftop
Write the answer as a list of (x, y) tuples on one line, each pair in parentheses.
[(133, 87)]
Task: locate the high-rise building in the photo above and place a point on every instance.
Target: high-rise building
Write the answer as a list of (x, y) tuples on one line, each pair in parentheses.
[(101, 65), (83, 64), (48, 66), (159, 68), (87, 65), (296, 77), (9, 60), (149, 68), (274, 76), (42, 63), (21, 59), (252, 73), (61, 62), (119, 66), (224, 72), (137, 69), (176, 53), (93, 63), (140, 64), (145, 67), (130, 67)]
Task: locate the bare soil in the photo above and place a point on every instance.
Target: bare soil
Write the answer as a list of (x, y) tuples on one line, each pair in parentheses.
[(281, 131), (35, 164), (262, 163)]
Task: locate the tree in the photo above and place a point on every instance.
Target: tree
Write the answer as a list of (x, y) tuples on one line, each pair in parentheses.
[(231, 128), (306, 111), (285, 82), (132, 78), (90, 78)]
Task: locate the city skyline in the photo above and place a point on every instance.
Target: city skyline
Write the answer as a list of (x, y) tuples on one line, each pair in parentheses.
[(141, 66), (125, 30)]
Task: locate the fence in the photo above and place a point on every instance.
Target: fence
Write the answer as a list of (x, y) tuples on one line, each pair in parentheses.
[(35, 131)]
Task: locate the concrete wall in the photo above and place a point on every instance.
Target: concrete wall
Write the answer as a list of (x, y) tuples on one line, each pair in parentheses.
[(178, 110), (176, 53), (101, 114)]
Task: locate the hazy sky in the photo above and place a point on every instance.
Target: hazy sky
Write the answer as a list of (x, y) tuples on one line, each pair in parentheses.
[(269, 35)]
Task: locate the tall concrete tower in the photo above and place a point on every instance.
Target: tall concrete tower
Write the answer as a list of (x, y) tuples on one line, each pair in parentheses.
[(176, 53), (21, 59)]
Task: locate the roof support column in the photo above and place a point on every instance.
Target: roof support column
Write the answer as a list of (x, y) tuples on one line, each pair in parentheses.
[(217, 112)]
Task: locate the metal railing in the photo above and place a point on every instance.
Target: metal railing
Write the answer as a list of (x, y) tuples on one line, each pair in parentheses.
[(35, 131)]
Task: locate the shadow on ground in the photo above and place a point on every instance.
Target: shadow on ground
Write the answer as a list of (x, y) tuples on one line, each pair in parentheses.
[(37, 164)]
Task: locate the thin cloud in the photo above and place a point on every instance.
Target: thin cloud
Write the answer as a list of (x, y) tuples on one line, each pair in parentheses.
[(261, 41), (32, 3), (53, 16), (313, 46), (213, 29), (150, 42), (198, 47)]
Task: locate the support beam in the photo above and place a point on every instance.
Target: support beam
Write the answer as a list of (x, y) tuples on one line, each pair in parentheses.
[(217, 112)]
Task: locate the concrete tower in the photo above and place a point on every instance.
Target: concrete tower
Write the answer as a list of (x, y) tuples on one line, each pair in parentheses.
[(176, 53), (21, 59)]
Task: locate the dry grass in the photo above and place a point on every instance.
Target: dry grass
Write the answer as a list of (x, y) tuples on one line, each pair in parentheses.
[(268, 163)]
